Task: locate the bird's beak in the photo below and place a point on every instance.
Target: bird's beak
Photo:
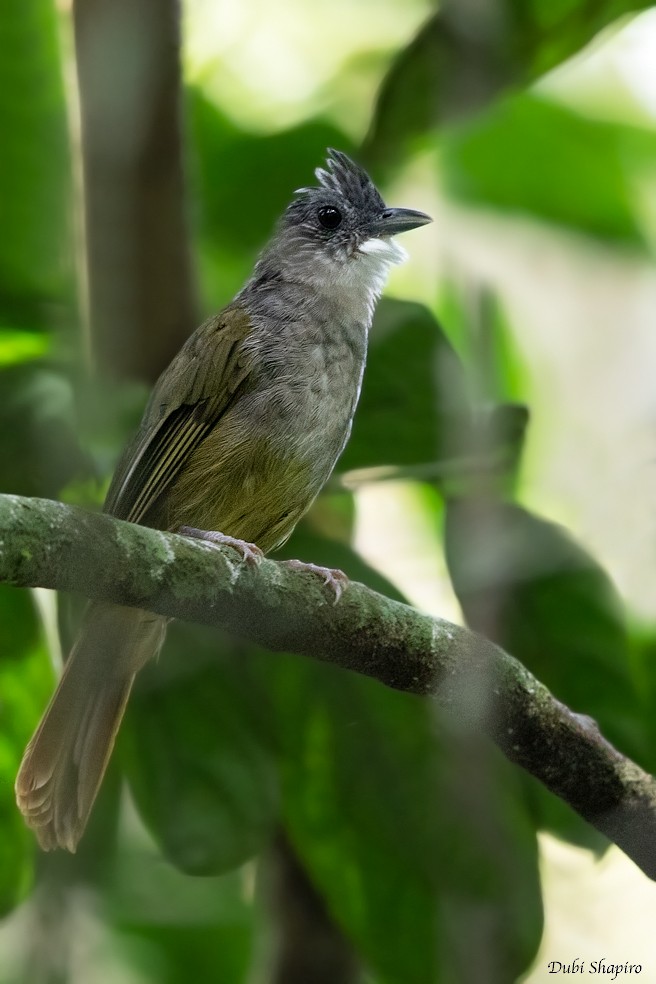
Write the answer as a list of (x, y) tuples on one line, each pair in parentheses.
[(395, 220)]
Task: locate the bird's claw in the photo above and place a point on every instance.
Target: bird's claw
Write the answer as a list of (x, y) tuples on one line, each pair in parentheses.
[(333, 578), (250, 553)]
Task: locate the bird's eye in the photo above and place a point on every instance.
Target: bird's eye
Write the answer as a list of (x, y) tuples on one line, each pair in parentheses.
[(330, 217)]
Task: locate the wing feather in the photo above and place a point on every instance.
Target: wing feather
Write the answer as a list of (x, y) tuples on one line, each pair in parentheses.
[(188, 402)]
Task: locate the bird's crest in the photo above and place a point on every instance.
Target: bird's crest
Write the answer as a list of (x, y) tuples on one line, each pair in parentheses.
[(348, 180)]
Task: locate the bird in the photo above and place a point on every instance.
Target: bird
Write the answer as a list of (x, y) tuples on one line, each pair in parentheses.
[(240, 433)]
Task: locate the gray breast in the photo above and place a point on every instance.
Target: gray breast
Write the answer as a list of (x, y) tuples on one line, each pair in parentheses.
[(311, 371)]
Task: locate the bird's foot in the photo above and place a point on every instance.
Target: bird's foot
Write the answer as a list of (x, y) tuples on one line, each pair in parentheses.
[(334, 579), (249, 552)]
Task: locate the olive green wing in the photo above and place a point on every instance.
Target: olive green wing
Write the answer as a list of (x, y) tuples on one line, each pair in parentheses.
[(191, 396)]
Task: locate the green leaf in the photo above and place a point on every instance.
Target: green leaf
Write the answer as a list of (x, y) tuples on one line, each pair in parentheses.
[(376, 798), (480, 330), (370, 786), (535, 157), (25, 681), (16, 849), (21, 346), (175, 928), (34, 164), (450, 71), (643, 657), (414, 397), (20, 630), (243, 181), (40, 451), (198, 752), (527, 585), (546, 33), (495, 441), (414, 851)]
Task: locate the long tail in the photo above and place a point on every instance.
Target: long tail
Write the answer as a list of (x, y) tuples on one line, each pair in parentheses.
[(65, 761)]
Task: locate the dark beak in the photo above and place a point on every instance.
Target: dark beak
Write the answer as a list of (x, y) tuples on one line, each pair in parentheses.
[(395, 220)]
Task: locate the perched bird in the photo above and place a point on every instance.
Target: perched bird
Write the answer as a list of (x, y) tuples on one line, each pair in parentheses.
[(241, 432)]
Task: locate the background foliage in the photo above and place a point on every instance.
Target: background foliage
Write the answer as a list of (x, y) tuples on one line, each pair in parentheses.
[(420, 840)]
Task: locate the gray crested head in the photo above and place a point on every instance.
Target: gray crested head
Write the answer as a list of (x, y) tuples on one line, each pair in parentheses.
[(350, 185), (337, 235)]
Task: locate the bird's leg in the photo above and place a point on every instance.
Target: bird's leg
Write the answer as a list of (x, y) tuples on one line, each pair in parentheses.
[(249, 552), (334, 579)]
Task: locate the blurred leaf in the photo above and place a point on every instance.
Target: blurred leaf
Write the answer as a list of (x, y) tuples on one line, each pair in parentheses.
[(174, 927), (16, 848), (529, 155), (243, 181), (414, 397), (180, 952), (39, 448), (365, 783), (501, 428), (20, 631), (40, 451), (199, 760), (21, 346), (481, 332), (644, 662), (108, 414), (525, 584), (23, 692), (384, 811), (332, 516), (462, 59), (444, 72), (547, 33), (34, 164), (528, 585), (414, 852), (308, 543), (483, 336)]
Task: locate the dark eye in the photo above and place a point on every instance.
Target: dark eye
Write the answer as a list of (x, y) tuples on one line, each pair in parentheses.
[(330, 217)]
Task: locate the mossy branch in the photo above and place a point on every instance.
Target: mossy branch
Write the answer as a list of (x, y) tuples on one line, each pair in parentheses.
[(50, 545)]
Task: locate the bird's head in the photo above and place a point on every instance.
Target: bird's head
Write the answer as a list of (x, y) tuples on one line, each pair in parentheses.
[(340, 232)]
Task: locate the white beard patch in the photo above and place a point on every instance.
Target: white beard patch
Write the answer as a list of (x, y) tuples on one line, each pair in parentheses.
[(360, 277), (387, 250), (355, 278)]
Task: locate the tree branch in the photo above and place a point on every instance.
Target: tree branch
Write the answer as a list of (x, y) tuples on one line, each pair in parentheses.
[(50, 545)]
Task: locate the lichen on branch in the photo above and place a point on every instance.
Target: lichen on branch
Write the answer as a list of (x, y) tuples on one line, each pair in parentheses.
[(50, 545)]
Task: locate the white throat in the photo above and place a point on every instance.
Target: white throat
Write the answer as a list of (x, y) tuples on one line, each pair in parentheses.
[(387, 251), (362, 277)]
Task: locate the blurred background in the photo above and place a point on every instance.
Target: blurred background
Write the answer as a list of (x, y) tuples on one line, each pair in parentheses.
[(267, 820)]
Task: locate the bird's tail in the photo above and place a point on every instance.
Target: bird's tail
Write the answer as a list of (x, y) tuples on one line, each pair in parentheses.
[(65, 761)]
